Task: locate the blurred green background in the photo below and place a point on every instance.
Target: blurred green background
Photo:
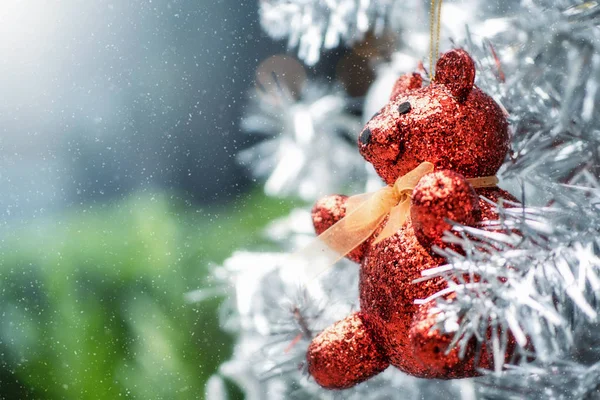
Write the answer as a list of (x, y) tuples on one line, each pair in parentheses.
[(92, 300), (119, 188)]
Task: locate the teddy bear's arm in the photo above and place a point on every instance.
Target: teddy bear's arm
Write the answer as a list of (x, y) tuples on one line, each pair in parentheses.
[(430, 346), (329, 210), (345, 354), (438, 198)]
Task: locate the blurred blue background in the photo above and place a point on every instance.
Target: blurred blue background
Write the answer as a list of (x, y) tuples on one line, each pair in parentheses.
[(101, 98)]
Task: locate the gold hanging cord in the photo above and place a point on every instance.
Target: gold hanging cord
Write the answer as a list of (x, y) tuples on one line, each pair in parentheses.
[(435, 16)]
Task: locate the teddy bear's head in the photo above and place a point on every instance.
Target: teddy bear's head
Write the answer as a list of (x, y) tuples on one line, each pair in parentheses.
[(450, 123)]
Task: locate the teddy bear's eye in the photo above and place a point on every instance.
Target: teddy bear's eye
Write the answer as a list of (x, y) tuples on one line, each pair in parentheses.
[(404, 108), (365, 136)]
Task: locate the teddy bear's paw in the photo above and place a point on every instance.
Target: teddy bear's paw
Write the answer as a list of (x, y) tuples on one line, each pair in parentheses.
[(438, 198), (329, 210)]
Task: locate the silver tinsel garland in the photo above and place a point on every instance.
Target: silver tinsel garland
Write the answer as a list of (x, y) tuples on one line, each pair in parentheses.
[(276, 319), (539, 264), (541, 285), (299, 135), (314, 25)]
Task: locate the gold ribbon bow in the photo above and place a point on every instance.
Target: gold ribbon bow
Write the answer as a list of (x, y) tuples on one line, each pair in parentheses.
[(364, 214)]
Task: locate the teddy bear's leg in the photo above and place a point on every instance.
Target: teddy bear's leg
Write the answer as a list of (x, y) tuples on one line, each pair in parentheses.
[(345, 354), (438, 197), (429, 347), (329, 210)]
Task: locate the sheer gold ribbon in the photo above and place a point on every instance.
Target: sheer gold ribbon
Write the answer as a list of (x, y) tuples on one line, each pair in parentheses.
[(364, 214)]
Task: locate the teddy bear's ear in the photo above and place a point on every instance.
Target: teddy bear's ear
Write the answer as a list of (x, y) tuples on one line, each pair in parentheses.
[(405, 83), (456, 70)]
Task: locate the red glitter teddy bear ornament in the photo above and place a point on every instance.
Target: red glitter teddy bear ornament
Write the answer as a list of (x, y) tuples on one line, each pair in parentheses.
[(464, 134)]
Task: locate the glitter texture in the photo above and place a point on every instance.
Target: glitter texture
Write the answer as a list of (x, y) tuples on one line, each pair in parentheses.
[(463, 138), (405, 83), (440, 196), (345, 353), (538, 263), (467, 135), (456, 70)]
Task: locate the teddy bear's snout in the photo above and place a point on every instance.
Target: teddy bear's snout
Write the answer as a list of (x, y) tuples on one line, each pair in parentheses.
[(380, 147)]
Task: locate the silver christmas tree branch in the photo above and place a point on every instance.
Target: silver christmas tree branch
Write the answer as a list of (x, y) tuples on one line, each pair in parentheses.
[(299, 135), (562, 381), (274, 319), (315, 25), (538, 284), (535, 299), (537, 268)]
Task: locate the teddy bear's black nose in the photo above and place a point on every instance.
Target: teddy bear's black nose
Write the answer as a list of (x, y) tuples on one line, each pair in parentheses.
[(365, 136), (404, 108)]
